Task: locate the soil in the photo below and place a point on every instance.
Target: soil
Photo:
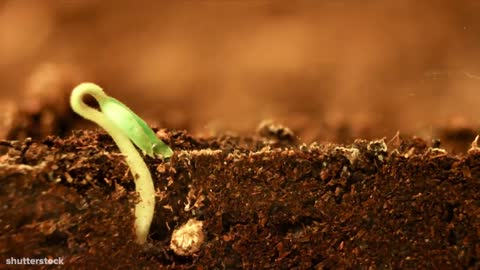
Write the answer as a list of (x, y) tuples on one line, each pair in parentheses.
[(267, 201)]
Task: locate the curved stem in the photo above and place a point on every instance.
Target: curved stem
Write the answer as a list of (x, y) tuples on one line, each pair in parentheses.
[(145, 208)]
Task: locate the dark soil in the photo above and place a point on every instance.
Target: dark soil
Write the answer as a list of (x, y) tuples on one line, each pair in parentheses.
[(267, 202)]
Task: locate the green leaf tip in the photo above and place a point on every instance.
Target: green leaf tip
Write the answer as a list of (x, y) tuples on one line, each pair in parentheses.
[(135, 128)]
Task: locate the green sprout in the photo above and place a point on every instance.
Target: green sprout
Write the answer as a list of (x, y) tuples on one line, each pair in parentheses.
[(125, 127)]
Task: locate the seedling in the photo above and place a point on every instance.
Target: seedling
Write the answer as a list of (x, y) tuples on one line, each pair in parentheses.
[(125, 127)]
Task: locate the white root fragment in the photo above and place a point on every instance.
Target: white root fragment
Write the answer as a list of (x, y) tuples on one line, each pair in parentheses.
[(474, 146)]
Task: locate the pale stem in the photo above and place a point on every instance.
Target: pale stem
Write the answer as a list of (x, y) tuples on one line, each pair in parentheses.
[(145, 208)]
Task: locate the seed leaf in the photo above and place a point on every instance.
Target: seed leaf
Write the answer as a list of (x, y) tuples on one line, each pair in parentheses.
[(135, 128)]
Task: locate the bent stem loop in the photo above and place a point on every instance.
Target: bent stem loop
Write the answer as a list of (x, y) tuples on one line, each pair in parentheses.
[(145, 208)]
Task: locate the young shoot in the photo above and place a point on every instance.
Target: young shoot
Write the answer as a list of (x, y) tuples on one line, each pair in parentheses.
[(125, 127)]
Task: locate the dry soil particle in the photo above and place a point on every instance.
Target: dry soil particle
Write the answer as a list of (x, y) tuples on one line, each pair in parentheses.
[(369, 205)]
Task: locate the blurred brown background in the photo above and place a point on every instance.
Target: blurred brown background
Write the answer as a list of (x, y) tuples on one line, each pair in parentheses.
[(372, 66)]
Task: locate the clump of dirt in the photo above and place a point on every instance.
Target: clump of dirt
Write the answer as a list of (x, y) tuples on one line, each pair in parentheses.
[(265, 202)]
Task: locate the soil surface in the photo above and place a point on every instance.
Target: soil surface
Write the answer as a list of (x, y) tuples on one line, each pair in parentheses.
[(267, 202)]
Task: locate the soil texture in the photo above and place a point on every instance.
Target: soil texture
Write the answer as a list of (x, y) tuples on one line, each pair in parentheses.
[(265, 202)]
